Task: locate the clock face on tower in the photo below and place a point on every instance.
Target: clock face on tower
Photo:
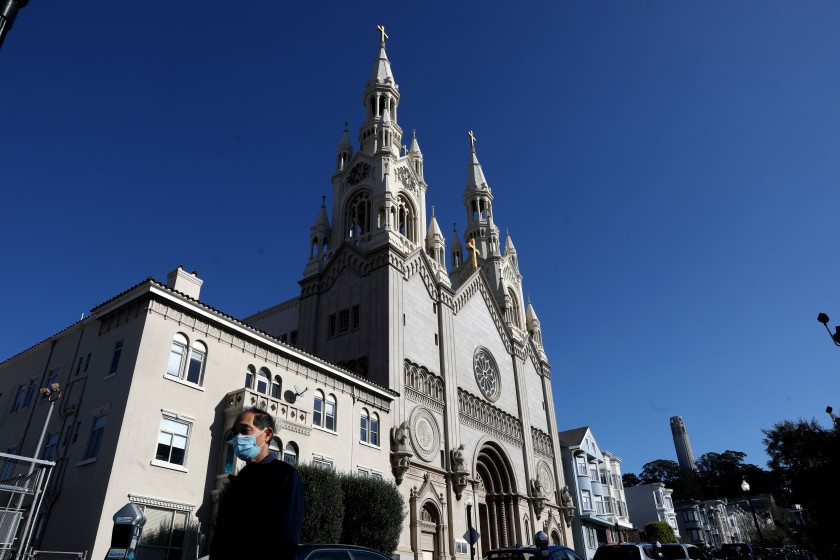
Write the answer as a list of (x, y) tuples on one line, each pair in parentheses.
[(359, 172), (486, 374)]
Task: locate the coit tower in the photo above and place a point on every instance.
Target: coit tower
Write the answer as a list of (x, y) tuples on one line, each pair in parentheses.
[(685, 456)]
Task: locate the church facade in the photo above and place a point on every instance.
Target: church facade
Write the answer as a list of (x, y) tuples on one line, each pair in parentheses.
[(475, 421), (404, 357)]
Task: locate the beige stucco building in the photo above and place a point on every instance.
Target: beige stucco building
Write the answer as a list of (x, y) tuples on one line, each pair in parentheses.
[(445, 360)]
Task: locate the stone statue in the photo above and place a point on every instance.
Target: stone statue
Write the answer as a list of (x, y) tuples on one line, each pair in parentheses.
[(399, 435), (537, 489), (566, 498), (458, 459)]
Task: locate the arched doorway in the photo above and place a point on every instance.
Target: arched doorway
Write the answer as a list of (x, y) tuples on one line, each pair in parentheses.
[(497, 498), (430, 532)]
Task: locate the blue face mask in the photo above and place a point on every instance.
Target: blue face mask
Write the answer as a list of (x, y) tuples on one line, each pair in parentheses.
[(245, 447)]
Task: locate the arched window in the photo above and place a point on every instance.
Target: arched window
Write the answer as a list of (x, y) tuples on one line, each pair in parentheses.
[(374, 429), (178, 366), (250, 373), (176, 355), (228, 458), (263, 381), (195, 371), (515, 310), (406, 219), (275, 445), (364, 426), (369, 428), (290, 453), (357, 215), (324, 411), (330, 413), (276, 386)]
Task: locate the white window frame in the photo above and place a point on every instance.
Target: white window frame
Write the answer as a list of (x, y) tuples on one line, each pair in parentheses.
[(586, 500), (166, 423), (188, 354), (323, 462)]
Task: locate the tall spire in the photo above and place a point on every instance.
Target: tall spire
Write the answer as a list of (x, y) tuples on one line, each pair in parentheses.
[(478, 201), (381, 95), (344, 151)]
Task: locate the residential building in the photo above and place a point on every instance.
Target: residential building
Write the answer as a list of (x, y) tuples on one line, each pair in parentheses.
[(647, 503), (594, 480), (389, 362), (152, 381)]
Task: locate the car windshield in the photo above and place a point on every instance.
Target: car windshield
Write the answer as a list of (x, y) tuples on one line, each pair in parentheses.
[(511, 555), (619, 552), (674, 552)]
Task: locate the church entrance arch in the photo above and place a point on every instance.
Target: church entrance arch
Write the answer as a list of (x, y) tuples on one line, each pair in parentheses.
[(430, 533), (497, 498)]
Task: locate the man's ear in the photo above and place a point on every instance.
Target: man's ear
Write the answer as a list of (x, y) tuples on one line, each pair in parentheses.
[(269, 433)]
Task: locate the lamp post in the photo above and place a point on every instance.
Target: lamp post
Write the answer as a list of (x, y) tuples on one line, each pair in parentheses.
[(835, 338), (746, 488), (834, 418), (8, 12), (470, 526)]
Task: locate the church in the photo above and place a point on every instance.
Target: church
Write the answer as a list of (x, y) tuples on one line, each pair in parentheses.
[(406, 356), (446, 328)]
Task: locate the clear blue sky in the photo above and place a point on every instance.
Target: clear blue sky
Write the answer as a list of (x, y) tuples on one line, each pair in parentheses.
[(668, 171)]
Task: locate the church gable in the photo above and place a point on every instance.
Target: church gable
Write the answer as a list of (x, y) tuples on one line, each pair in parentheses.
[(478, 285)]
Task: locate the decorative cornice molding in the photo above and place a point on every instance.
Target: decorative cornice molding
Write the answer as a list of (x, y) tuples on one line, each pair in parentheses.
[(480, 414)]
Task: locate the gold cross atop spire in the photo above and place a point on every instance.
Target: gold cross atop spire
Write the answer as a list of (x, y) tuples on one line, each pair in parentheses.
[(382, 34), (471, 246), (472, 139)]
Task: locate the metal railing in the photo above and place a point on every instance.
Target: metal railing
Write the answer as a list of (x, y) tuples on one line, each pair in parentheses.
[(22, 483)]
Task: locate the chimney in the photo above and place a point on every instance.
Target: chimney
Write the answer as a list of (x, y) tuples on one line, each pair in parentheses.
[(188, 283)]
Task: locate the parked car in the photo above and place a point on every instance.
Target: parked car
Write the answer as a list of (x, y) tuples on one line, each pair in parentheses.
[(738, 551), (683, 552), (555, 552), (626, 551), (333, 552), (337, 552)]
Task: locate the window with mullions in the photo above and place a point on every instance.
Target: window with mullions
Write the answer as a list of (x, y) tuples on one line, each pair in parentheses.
[(290, 453), (97, 430), (585, 500), (173, 438), (343, 321), (20, 395), (263, 381), (249, 377), (179, 367), (30, 393), (369, 428), (164, 534), (324, 411), (580, 461)]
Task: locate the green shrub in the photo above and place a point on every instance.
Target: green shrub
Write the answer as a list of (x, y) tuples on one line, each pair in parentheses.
[(374, 513), (659, 531), (323, 505)]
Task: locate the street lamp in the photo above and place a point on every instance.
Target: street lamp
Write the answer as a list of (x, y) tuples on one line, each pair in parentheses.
[(834, 418), (470, 526), (8, 13), (746, 488), (823, 318)]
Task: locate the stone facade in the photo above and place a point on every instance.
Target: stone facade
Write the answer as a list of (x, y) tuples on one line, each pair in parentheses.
[(448, 359)]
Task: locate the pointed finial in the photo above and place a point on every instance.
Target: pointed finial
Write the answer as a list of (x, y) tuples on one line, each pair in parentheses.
[(405, 150), (323, 201), (433, 211), (382, 34), (529, 299), (507, 232), (345, 126), (455, 227), (414, 133), (472, 140)]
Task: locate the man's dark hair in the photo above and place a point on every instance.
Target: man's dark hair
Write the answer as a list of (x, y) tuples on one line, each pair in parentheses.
[(262, 419)]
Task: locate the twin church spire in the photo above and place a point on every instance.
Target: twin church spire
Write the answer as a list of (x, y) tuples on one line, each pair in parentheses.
[(379, 198)]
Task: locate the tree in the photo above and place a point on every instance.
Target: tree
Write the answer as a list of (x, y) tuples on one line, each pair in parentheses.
[(630, 479), (660, 470), (806, 459), (659, 531), (323, 505), (376, 518)]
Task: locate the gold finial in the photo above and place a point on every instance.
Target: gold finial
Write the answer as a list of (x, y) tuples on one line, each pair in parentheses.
[(471, 246), (472, 139), (383, 35)]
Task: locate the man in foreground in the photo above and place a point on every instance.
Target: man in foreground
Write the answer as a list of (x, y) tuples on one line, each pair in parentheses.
[(261, 508)]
